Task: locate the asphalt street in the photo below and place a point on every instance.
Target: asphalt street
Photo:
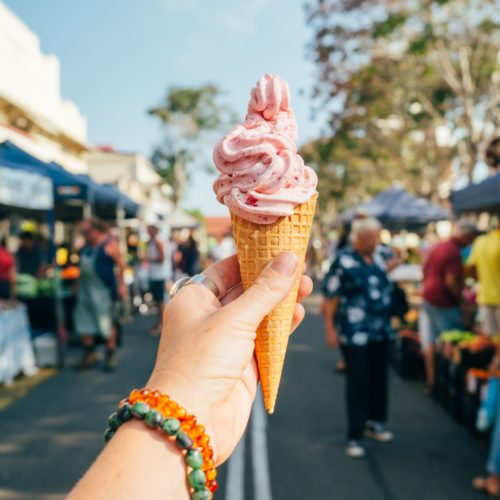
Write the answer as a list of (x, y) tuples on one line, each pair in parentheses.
[(49, 437)]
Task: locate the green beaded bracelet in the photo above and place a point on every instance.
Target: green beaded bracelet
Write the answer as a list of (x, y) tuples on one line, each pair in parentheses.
[(172, 429)]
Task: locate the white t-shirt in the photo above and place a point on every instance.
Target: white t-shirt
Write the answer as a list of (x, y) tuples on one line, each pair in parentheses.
[(159, 271)]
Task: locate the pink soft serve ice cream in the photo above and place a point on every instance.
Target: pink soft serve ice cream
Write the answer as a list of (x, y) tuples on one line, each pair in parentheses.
[(262, 177)]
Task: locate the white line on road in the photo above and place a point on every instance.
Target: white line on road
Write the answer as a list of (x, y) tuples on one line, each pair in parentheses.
[(260, 460), (235, 483)]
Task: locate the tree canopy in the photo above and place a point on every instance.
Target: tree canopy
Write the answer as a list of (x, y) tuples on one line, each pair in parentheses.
[(411, 89), (186, 114)]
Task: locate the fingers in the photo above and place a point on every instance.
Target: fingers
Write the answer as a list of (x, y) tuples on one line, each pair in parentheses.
[(232, 294), (305, 288), (269, 289), (225, 274), (298, 316)]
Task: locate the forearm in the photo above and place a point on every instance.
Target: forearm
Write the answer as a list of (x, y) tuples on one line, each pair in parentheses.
[(329, 311), (137, 463)]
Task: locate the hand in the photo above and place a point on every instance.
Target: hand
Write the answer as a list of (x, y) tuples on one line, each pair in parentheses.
[(205, 359), (332, 337), (494, 366), (122, 291)]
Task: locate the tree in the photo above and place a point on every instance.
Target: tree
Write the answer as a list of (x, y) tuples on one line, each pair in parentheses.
[(457, 42), (187, 115)]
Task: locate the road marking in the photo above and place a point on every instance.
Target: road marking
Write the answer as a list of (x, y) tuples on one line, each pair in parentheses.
[(260, 461), (235, 483)]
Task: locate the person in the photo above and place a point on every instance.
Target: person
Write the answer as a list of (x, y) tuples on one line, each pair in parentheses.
[(223, 248), (29, 257), (190, 255), (160, 271), (442, 293), (100, 283), (490, 483), (7, 273), (215, 379), (484, 259), (358, 304)]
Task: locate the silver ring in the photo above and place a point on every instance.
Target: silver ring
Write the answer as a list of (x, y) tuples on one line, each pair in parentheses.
[(203, 280), (197, 279), (175, 288)]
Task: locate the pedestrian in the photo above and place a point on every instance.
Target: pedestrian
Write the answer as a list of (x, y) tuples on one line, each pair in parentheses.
[(7, 273), (100, 284), (484, 260), (160, 271), (490, 483), (190, 255), (223, 248), (29, 256), (214, 379), (357, 317), (443, 283)]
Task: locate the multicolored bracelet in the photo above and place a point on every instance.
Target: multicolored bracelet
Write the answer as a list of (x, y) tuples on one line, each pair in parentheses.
[(161, 413)]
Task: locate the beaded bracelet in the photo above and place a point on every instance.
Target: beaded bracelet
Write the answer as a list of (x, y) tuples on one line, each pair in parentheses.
[(159, 412)]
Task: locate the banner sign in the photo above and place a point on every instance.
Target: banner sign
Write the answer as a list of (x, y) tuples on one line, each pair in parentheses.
[(19, 188)]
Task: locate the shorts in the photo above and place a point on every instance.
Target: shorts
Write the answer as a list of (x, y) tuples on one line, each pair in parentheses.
[(157, 289), (434, 320), (490, 319)]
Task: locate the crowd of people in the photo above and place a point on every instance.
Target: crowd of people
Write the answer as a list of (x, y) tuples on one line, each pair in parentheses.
[(358, 305), (103, 261)]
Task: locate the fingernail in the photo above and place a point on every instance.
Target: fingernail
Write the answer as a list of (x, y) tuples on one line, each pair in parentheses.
[(285, 263)]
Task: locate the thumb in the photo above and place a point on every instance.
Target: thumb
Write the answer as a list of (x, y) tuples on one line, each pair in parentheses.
[(271, 286)]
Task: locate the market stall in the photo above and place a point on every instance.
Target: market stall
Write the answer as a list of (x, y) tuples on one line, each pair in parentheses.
[(481, 197), (16, 350), (23, 190), (397, 210)]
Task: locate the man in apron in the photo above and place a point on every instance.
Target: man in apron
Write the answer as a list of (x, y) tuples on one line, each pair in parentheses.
[(100, 284)]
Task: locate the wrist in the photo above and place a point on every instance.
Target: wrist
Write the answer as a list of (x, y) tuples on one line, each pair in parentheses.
[(185, 394)]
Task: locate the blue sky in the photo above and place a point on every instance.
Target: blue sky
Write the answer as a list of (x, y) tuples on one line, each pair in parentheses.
[(119, 56)]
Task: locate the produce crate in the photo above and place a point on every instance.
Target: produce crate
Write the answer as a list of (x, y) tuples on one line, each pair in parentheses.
[(407, 356)]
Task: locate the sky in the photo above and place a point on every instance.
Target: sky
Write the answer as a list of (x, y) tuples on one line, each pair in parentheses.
[(118, 57)]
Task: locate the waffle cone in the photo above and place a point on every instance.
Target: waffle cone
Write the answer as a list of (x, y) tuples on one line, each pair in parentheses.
[(256, 245)]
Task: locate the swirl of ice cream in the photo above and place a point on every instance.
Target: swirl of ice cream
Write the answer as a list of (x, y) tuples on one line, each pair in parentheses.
[(261, 176)]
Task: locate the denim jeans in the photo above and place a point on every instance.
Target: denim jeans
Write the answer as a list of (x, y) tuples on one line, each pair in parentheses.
[(494, 456)]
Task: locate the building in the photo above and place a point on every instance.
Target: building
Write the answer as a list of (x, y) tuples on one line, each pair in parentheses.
[(131, 173), (218, 227), (33, 113)]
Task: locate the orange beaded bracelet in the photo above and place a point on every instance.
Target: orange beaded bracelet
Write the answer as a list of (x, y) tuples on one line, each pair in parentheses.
[(160, 412)]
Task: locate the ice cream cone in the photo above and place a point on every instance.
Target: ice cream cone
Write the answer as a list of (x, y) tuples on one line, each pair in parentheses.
[(256, 245)]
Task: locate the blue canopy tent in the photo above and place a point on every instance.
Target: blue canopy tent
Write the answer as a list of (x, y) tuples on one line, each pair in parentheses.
[(107, 199), (71, 192), (66, 185), (398, 209), (481, 197)]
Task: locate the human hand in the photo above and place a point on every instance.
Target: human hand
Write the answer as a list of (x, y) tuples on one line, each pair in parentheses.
[(205, 359), (494, 366), (332, 337), (122, 291)]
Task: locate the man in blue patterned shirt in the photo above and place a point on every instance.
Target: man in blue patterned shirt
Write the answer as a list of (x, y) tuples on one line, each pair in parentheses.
[(357, 314)]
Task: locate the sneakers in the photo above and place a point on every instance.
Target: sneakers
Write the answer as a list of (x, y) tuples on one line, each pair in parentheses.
[(89, 360), (378, 432), (110, 361), (355, 450)]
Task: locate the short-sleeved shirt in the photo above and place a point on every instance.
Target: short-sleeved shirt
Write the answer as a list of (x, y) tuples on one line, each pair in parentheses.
[(6, 263), (364, 292), (29, 261), (485, 256), (443, 259)]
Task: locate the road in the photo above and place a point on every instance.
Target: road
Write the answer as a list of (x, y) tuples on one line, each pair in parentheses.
[(51, 435)]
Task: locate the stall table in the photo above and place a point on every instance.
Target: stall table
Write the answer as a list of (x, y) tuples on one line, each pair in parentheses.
[(16, 350)]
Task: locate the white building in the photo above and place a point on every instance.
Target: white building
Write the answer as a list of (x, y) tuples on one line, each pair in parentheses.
[(32, 112), (133, 174)]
